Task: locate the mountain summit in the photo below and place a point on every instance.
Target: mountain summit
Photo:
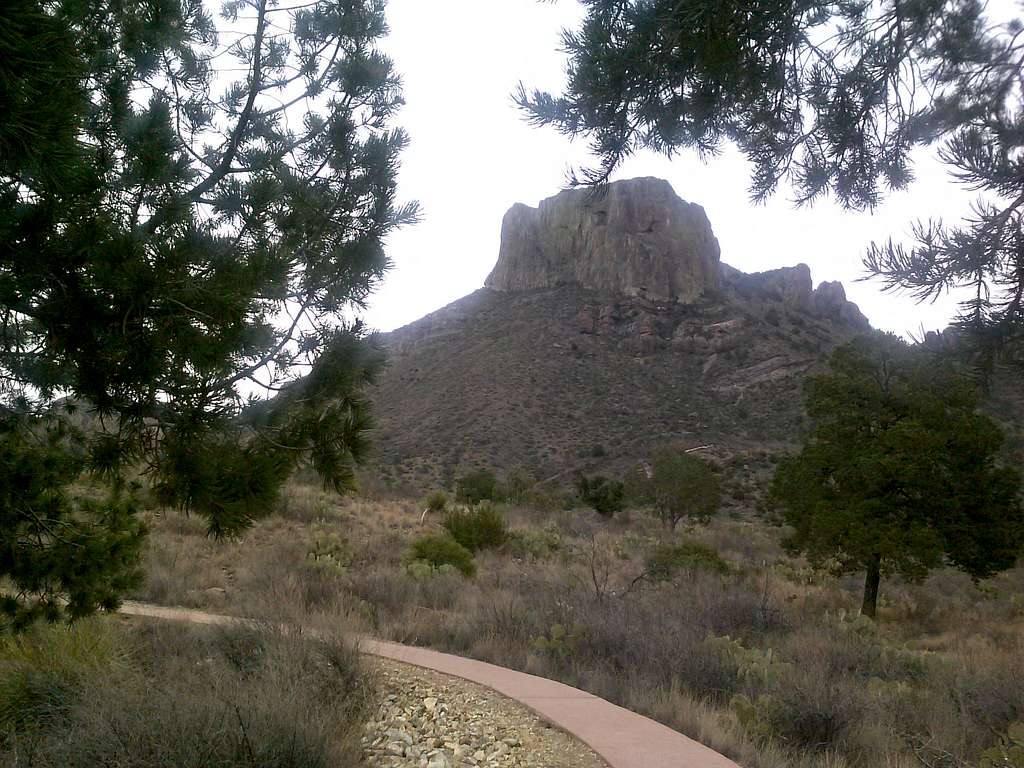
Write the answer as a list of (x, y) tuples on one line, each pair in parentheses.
[(608, 326), (632, 238)]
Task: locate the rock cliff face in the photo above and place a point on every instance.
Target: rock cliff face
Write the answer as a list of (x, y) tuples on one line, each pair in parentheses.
[(638, 238), (792, 287)]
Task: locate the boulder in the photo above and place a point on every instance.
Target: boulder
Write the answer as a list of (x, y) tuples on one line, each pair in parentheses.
[(632, 238)]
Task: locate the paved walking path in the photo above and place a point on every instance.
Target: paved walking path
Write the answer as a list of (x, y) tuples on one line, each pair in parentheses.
[(623, 738)]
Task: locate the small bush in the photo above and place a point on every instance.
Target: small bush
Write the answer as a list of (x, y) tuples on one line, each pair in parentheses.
[(476, 487), (549, 501), (517, 485), (482, 527), (330, 549), (442, 550), (668, 560), (436, 502), (533, 543), (604, 496)]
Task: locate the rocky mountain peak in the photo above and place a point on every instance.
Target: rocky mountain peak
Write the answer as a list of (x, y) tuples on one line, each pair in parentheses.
[(633, 238)]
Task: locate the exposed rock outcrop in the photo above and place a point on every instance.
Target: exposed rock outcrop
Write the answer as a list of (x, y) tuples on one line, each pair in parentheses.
[(793, 288), (637, 238), (829, 300)]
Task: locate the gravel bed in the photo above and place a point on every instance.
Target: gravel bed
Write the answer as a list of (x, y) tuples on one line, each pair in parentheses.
[(429, 720)]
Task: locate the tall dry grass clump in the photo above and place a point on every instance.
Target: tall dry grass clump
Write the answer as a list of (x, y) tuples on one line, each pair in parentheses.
[(166, 694)]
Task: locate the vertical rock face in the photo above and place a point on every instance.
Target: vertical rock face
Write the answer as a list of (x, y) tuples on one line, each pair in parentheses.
[(792, 286), (638, 238)]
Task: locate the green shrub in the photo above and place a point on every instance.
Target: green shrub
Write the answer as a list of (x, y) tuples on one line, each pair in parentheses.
[(558, 500), (558, 641), (436, 502), (477, 486), (537, 544), (517, 485), (1009, 753), (604, 496), (442, 550), (330, 549), (668, 560), (421, 570), (482, 527)]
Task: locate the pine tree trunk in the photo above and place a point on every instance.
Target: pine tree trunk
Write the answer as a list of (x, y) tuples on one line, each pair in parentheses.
[(874, 575)]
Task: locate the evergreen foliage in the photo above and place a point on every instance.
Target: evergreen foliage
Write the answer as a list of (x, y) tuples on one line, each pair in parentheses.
[(476, 486), (438, 551), (480, 527), (677, 486), (436, 502), (900, 472), (603, 495), (189, 207), (668, 560), (831, 98)]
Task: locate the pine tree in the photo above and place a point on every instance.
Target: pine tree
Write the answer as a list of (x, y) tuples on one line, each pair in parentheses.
[(831, 98), (191, 210), (900, 472)]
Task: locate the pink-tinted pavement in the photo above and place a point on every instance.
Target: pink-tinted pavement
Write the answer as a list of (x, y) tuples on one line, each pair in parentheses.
[(623, 738)]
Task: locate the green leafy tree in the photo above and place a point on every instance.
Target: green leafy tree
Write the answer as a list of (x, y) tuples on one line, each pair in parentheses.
[(900, 471), (677, 486), (189, 211), (476, 486), (832, 99), (603, 495)]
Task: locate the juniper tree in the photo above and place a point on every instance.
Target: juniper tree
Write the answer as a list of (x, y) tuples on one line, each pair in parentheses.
[(604, 495), (900, 472), (677, 486), (830, 98), (192, 213)]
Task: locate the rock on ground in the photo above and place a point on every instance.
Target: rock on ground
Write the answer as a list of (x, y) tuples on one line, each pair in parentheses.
[(428, 720)]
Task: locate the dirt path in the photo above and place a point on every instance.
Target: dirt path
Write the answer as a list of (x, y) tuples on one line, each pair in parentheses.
[(623, 738)]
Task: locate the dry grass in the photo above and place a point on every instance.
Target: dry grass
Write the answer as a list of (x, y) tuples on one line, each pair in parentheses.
[(799, 681), (157, 694)]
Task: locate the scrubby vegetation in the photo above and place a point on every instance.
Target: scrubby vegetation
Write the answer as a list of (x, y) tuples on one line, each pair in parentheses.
[(726, 637), (683, 557), (676, 486), (103, 693), (604, 495), (439, 552), (476, 528), (476, 487)]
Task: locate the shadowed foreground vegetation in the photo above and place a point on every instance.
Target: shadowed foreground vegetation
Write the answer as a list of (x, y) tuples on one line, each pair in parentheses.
[(104, 692), (712, 630)]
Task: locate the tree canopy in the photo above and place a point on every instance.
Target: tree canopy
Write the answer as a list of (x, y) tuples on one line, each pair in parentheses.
[(191, 210), (832, 99), (604, 495), (900, 472), (677, 486)]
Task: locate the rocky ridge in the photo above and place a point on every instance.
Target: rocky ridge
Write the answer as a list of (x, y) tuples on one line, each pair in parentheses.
[(635, 238)]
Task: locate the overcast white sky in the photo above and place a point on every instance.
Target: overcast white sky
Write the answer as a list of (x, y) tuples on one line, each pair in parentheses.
[(472, 156)]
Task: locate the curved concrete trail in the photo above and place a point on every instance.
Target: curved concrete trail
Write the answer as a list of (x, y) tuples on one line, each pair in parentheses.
[(623, 738)]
